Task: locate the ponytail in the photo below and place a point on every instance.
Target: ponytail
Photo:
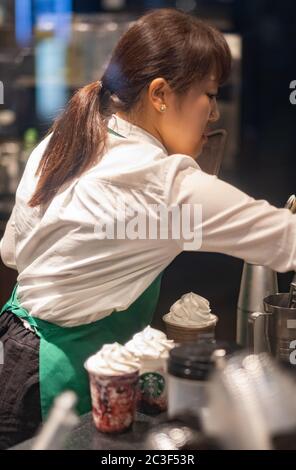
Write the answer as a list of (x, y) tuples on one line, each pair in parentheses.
[(77, 142)]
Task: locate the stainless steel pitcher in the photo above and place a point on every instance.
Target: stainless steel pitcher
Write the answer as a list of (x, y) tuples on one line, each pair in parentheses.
[(274, 329), (257, 283)]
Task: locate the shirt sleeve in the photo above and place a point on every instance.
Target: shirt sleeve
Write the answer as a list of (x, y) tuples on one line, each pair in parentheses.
[(24, 191), (7, 244), (234, 223)]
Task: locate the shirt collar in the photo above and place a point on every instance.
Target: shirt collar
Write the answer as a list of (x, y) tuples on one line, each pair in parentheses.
[(128, 130)]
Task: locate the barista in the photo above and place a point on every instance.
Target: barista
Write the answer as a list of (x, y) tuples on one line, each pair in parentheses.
[(133, 137)]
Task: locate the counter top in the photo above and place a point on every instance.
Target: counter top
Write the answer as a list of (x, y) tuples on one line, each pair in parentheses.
[(86, 437)]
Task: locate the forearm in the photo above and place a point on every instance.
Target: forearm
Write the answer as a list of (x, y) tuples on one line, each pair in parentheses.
[(236, 224)]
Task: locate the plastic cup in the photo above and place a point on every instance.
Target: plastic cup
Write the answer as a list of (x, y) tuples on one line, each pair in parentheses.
[(114, 399)]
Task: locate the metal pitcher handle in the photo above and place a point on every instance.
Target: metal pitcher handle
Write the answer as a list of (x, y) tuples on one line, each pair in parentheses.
[(259, 326)]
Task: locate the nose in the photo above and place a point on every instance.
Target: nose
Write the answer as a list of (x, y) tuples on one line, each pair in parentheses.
[(215, 114)]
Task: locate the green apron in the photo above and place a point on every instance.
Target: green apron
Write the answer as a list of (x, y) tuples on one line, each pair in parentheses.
[(63, 350)]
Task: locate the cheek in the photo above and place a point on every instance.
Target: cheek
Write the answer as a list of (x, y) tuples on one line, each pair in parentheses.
[(200, 114), (205, 110)]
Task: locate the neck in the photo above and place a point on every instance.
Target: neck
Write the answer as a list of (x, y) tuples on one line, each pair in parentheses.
[(146, 125)]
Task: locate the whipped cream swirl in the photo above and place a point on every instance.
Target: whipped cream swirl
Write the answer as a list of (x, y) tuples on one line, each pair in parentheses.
[(191, 310), (113, 359), (150, 344)]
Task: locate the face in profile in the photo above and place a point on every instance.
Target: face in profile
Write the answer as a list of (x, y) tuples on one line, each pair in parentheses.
[(182, 128), (187, 119)]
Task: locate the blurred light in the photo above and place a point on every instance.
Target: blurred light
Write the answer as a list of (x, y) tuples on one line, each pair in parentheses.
[(178, 436), (23, 22), (54, 15), (113, 4), (186, 5), (2, 15), (51, 88), (7, 117), (63, 10), (51, 54), (234, 42), (82, 27), (112, 26)]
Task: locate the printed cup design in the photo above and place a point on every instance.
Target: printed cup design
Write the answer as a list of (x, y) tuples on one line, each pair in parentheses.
[(114, 401), (152, 393)]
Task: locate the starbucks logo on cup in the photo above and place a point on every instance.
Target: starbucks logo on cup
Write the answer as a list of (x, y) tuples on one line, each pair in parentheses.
[(152, 384)]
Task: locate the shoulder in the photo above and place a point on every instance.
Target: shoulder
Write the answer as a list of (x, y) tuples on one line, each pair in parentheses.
[(27, 181), (41, 146), (37, 152)]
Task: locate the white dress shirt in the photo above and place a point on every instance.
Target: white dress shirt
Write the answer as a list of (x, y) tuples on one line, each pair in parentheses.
[(69, 274)]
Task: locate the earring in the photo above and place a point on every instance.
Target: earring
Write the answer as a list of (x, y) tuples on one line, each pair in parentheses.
[(162, 108)]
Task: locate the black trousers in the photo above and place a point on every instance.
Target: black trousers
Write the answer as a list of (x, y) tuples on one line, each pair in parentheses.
[(20, 410)]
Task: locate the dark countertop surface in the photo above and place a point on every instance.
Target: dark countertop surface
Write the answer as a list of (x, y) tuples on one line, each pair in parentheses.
[(86, 437)]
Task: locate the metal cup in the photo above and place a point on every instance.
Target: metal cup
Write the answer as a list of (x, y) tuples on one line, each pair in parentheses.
[(257, 282), (274, 330)]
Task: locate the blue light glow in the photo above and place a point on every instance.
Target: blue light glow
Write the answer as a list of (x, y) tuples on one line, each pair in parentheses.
[(23, 22)]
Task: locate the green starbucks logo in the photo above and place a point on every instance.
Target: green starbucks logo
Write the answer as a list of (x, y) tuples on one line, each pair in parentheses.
[(152, 384)]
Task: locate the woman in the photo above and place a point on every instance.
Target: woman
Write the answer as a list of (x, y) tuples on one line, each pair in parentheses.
[(132, 140)]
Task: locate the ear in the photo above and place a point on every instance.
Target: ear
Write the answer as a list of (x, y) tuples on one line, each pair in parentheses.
[(158, 93)]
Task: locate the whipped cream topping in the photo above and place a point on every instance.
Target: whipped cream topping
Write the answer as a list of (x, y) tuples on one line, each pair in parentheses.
[(191, 310), (150, 344), (113, 359)]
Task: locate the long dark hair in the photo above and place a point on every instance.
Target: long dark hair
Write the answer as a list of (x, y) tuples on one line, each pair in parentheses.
[(164, 43)]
